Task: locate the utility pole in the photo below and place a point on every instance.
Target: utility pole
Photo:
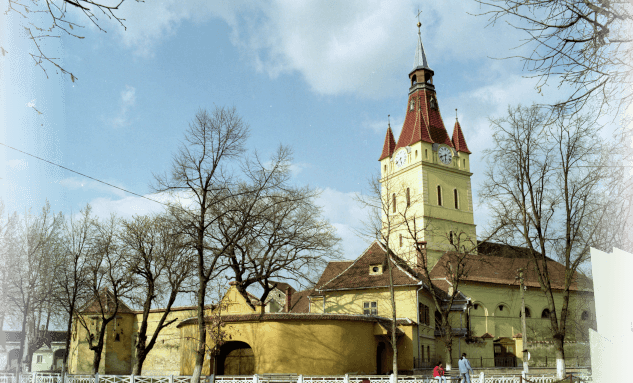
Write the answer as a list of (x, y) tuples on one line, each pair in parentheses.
[(524, 329)]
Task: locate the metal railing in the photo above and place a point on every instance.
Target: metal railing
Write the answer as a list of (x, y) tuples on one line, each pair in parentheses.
[(478, 377)]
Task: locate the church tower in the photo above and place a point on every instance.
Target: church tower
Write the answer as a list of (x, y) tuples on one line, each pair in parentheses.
[(425, 176)]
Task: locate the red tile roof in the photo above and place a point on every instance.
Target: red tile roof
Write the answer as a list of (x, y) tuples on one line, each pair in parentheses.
[(106, 300), (301, 301), (424, 123), (503, 270), (459, 142), (356, 275), (389, 145), (331, 270)]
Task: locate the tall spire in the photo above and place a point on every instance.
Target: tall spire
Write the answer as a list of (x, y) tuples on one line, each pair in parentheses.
[(420, 56)]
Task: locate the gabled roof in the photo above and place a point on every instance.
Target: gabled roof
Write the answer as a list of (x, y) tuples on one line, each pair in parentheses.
[(282, 286), (389, 146), (301, 301), (106, 300), (503, 271), (459, 142), (356, 275)]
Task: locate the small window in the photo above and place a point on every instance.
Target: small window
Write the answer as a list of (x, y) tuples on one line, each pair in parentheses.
[(412, 105), (428, 353), (375, 270), (39, 359), (464, 161), (385, 168), (408, 198), (439, 195), (476, 306), (400, 240), (117, 338), (584, 315), (416, 154), (528, 313), (393, 202), (545, 314), (425, 317), (370, 308), (456, 198)]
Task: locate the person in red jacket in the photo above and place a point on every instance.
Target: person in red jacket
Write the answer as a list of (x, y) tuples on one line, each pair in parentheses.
[(438, 373)]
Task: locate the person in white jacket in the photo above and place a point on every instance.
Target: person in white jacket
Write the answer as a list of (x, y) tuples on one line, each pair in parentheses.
[(464, 369)]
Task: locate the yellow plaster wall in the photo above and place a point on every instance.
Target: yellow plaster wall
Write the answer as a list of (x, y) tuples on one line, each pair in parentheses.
[(422, 176), (118, 353), (164, 358), (488, 318), (351, 301), (310, 347)]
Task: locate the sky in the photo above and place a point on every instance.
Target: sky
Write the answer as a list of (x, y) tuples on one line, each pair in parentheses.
[(320, 77)]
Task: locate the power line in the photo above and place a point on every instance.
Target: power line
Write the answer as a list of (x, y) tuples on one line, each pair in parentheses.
[(81, 174)]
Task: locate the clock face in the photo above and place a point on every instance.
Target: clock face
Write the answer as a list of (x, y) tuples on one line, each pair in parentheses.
[(400, 158), (445, 154)]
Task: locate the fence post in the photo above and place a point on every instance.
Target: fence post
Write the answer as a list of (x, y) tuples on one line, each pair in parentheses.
[(255, 378), (300, 379), (131, 378), (171, 378), (392, 378), (346, 378), (482, 377)]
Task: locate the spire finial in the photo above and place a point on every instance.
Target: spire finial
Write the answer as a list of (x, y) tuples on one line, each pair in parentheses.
[(420, 56), (389, 121), (456, 114)]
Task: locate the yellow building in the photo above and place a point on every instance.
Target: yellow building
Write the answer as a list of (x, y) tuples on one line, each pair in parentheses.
[(342, 325)]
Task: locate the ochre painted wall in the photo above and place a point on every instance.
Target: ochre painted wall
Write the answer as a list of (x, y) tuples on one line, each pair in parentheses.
[(310, 347), (506, 323)]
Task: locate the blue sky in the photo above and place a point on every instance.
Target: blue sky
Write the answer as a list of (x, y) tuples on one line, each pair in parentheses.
[(320, 77)]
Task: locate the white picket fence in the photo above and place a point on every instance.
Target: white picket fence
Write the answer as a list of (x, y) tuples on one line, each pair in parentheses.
[(269, 378)]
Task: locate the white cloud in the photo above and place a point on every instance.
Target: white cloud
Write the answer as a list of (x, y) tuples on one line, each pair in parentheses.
[(75, 183), (356, 47), (347, 216), (128, 100), (18, 164)]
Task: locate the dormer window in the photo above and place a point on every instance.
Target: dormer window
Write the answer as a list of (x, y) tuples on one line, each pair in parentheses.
[(375, 270), (412, 105)]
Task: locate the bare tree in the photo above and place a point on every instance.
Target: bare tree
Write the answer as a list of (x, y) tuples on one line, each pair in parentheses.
[(157, 256), (200, 176), (8, 248), (30, 280), (277, 230), (52, 19), (580, 45), (545, 186), (109, 281), (70, 280)]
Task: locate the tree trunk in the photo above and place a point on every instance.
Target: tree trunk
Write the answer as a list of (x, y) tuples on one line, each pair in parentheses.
[(69, 327), (202, 333), (560, 359), (449, 355)]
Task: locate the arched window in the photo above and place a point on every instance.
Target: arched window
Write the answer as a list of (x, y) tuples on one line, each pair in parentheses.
[(528, 313), (455, 198), (414, 80), (545, 314), (408, 198), (439, 195), (393, 202), (584, 315)]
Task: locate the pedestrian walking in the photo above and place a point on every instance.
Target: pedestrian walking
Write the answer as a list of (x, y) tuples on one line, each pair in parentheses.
[(464, 369)]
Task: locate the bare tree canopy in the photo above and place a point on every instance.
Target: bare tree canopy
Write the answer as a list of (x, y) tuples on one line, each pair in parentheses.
[(200, 178), (581, 45), (545, 190), (52, 19), (277, 232), (156, 255)]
